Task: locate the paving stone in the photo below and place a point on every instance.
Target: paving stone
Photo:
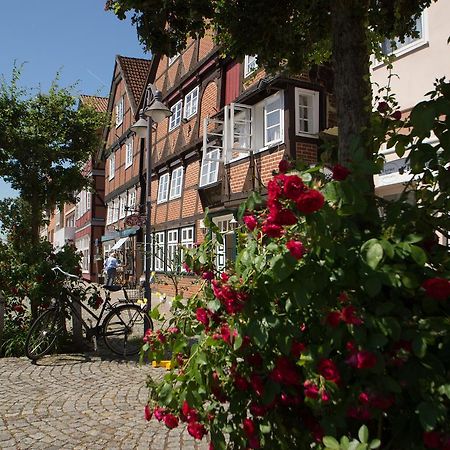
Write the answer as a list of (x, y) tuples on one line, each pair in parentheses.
[(81, 401)]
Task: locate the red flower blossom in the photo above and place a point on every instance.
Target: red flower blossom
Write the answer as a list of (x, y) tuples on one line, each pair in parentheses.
[(159, 413), (340, 173), (437, 288), (208, 275), (293, 187), (196, 430), (362, 360), (432, 439), (349, 317), (310, 201), (285, 372), (325, 396), (19, 309), (327, 368), (240, 382), (170, 421), (188, 414), (147, 413), (257, 384), (343, 297), (382, 107), (396, 115), (253, 442), (297, 348), (202, 316), (272, 230), (296, 249), (334, 318), (311, 389), (249, 427), (282, 217), (258, 410), (250, 222), (360, 413), (284, 166), (224, 277)]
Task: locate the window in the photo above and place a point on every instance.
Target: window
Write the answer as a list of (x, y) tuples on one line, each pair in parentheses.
[(306, 112), (159, 251), (187, 241), (173, 58), (226, 250), (175, 118), (109, 215), (395, 46), (176, 183), (70, 221), (115, 207), (273, 120), (131, 203), (191, 103), (122, 204), (172, 251), (119, 111), (129, 153), (163, 188), (250, 65), (83, 203), (83, 245), (210, 168), (112, 165)]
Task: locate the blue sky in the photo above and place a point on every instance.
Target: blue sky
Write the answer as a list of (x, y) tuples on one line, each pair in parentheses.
[(78, 39)]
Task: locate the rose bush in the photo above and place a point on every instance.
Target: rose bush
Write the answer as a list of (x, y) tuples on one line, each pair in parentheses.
[(325, 323)]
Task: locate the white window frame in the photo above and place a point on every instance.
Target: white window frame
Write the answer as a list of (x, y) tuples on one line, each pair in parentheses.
[(129, 153), (268, 101), (109, 213), (115, 207), (131, 203), (313, 112), (209, 170), (250, 65), (186, 241), (122, 204), (172, 250), (191, 103), (120, 111), (175, 118), (410, 46), (163, 188), (83, 245), (112, 165), (159, 252), (176, 183)]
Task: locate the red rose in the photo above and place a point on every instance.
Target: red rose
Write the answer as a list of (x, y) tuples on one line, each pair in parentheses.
[(365, 359), (310, 201), (340, 173), (297, 349), (284, 166), (208, 275), (202, 316), (249, 427), (382, 402), (437, 288), (343, 297), (327, 368), (250, 222), (282, 217), (272, 230), (382, 107), (253, 442), (187, 413), (296, 249), (147, 413), (349, 317), (257, 384), (224, 277), (159, 413), (396, 115), (258, 410), (334, 318), (196, 430), (275, 186), (432, 439), (170, 421), (240, 382), (364, 398), (311, 389), (19, 309), (293, 187), (325, 396), (285, 372)]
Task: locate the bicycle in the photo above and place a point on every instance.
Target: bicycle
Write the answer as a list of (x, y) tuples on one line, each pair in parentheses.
[(122, 328)]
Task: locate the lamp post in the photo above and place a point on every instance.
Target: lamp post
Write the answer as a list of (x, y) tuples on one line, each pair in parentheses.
[(153, 111)]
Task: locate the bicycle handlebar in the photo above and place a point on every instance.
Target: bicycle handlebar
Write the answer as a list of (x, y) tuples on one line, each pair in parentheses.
[(67, 274)]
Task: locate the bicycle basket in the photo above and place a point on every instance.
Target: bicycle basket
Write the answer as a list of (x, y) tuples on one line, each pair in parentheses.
[(134, 295)]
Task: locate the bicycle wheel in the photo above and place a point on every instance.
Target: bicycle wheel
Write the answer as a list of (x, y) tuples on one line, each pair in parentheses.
[(42, 335), (124, 328)]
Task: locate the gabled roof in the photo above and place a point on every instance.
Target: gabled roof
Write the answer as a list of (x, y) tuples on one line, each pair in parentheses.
[(134, 72), (98, 103)]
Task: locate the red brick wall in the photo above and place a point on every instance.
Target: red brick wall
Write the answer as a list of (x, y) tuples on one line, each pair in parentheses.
[(306, 152)]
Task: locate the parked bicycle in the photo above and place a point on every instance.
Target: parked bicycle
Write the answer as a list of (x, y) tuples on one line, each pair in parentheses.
[(122, 325)]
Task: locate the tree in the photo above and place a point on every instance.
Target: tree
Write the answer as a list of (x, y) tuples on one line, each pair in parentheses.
[(44, 140), (288, 37)]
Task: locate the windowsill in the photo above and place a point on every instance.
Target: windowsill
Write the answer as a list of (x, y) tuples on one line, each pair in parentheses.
[(160, 202), (110, 178), (403, 51), (118, 124), (308, 135), (191, 116), (174, 128), (249, 74), (128, 166), (175, 197), (260, 150)]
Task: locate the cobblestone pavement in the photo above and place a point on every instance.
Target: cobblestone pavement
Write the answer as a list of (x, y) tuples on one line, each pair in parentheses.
[(80, 401)]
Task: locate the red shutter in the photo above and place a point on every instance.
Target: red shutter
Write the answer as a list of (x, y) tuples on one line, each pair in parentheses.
[(232, 82)]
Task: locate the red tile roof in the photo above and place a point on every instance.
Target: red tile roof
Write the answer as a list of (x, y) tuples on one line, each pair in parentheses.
[(135, 72), (99, 103)]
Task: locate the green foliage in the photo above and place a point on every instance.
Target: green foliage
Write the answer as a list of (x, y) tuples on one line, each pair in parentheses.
[(338, 320)]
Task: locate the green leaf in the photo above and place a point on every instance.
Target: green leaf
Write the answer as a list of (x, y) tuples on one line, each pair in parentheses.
[(265, 428), (375, 443), (331, 442), (372, 286), (419, 255), (374, 253), (428, 415), (445, 390), (363, 434), (237, 342), (419, 346)]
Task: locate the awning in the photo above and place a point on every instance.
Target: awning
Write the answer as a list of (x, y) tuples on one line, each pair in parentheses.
[(119, 243)]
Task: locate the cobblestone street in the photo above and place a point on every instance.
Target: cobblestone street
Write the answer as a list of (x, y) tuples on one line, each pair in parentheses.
[(80, 402)]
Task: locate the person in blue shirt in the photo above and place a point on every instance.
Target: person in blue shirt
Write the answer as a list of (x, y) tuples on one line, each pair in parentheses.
[(110, 268)]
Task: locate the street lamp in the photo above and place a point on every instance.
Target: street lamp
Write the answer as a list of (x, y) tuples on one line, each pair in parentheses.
[(153, 111)]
